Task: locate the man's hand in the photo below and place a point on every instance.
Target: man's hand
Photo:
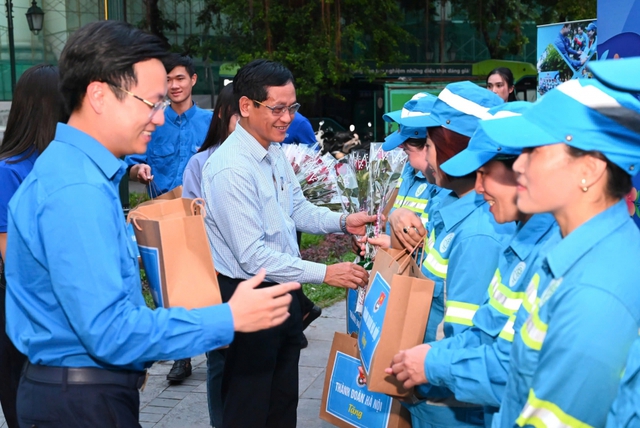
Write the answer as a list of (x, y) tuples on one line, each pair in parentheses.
[(356, 222), (407, 227), (141, 172), (346, 275), (408, 366), (254, 309)]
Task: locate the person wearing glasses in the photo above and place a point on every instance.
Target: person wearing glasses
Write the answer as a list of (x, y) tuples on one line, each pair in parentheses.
[(255, 227), (172, 145), (74, 305)]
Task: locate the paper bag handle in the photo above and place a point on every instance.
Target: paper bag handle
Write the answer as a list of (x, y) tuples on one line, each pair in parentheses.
[(404, 264), (197, 207), (133, 216)]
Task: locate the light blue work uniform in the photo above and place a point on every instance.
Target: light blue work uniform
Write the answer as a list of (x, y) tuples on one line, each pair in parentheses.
[(171, 147), (464, 246), (474, 363), (625, 412), (413, 194), (74, 297), (580, 330)]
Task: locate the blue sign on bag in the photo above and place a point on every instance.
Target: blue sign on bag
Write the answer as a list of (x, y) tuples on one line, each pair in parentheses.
[(353, 318), (375, 306), (349, 400), (151, 260)]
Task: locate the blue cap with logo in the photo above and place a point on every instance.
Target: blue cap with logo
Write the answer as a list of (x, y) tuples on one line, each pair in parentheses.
[(408, 120), (582, 113), (622, 74), (460, 106), (592, 26), (481, 147)]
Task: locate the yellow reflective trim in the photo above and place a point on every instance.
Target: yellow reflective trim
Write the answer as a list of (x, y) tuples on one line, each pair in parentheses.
[(531, 299), (534, 331), (545, 414), (460, 312), (433, 261), (508, 332)]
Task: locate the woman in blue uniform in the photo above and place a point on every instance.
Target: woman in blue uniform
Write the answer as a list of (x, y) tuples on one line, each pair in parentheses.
[(625, 411), (568, 356), (474, 363), (464, 241)]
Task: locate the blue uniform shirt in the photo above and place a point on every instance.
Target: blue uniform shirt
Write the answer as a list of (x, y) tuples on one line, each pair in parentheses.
[(568, 357), (300, 131), (474, 363), (463, 248), (414, 192), (73, 283), (625, 412), (171, 147), (11, 175)]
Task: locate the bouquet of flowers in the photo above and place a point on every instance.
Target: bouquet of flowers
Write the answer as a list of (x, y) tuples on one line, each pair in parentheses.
[(313, 171), (352, 177), (385, 169)]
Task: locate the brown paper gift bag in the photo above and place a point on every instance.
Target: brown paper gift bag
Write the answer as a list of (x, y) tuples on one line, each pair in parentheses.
[(175, 193), (395, 317), (175, 252), (346, 402)]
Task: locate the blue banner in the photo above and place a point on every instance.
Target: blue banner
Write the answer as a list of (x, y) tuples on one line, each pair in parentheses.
[(151, 261), (349, 400), (375, 307), (353, 318)]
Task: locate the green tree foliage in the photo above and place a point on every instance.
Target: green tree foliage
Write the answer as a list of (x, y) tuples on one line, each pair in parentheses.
[(566, 10), (552, 61), (323, 42), (495, 19)]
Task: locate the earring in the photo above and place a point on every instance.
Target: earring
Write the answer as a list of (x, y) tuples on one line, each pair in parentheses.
[(584, 188)]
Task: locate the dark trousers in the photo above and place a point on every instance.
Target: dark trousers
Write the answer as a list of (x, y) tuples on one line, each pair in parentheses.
[(11, 362), (306, 304), (45, 405), (260, 380)]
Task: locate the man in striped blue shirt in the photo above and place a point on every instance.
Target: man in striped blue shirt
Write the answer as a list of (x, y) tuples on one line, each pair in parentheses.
[(254, 206)]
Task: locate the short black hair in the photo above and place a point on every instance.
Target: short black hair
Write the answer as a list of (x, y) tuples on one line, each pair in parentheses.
[(179, 60), (104, 51), (417, 143), (253, 80)]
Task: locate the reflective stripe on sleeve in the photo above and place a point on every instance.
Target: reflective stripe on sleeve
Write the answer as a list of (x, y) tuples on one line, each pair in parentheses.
[(460, 312), (507, 332), (545, 414), (534, 331), (530, 298), (503, 299), (433, 261)]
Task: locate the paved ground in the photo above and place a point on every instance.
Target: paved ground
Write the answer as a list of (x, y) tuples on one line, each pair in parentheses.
[(185, 405)]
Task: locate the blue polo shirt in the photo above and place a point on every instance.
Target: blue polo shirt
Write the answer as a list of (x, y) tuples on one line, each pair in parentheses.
[(171, 147), (12, 173), (300, 131), (569, 354), (73, 282)]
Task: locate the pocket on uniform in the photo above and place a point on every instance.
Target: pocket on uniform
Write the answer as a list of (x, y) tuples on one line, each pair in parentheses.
[(162, 149)]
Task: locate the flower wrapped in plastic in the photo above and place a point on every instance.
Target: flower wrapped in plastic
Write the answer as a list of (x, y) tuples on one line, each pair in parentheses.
[(313, 171), (385, 168)]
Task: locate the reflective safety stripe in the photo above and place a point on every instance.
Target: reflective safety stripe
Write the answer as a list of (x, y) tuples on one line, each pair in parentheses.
[(399, 183), (545, 414), (460, 312), (534, 331), (503, 299), (507, 332), (436, 264), (530, 299)]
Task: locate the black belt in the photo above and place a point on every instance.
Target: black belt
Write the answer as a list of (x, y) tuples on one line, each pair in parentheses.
[(84, 376)]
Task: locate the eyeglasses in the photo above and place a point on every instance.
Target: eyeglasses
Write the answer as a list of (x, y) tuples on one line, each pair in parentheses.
[(155, 107), (279, 110)]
